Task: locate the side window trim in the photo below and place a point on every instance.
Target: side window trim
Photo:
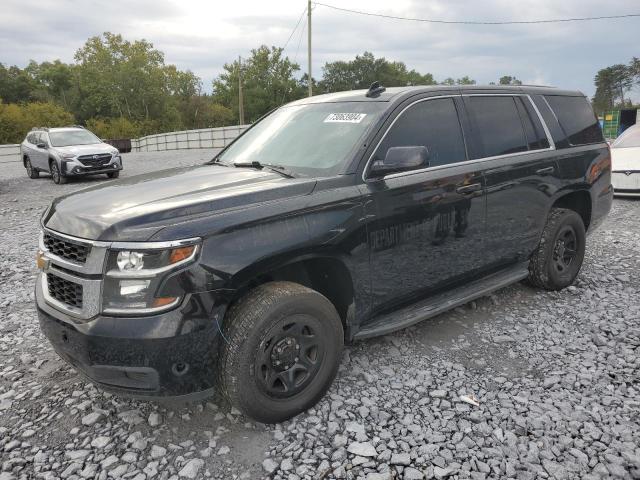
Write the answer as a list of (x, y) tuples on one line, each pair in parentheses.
[(545, 127), (547, 133)]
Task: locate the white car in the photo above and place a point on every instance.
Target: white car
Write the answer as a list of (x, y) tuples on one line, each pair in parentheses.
[(625, 162)]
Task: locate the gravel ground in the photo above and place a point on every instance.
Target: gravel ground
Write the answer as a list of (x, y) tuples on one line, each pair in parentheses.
[(556, 377)]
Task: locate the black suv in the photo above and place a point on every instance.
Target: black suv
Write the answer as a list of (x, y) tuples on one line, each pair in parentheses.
[(332, 219)]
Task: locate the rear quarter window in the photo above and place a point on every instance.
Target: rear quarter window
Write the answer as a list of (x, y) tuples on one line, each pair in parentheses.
[(576, 118)]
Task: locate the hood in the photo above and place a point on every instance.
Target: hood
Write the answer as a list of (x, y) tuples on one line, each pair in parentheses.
[(86, 149), (625, 159), (135, 208)]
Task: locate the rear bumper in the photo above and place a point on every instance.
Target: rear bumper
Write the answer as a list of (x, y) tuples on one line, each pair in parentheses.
[(169, 355)]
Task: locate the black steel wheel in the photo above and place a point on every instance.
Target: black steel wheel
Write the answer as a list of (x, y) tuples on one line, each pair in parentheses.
[(282, 350), (289, 357), (565, 249), (31, 172), (556, 262)]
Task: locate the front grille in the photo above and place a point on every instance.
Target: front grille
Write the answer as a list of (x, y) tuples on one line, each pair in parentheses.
[(64, 291), (98, 160), (622, 181), (67, 249)]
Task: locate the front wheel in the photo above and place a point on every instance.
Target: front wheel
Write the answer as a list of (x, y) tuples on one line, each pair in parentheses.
[(56, 176), (113, 174), (31, 172), (282, 351), (557, 260)]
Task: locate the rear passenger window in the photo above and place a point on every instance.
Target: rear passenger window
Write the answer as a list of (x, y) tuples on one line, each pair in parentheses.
[(576, 118), (433, 124), (498, 123), (533, 129)]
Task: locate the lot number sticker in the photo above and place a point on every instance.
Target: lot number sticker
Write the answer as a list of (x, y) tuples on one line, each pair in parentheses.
[(344, 117)]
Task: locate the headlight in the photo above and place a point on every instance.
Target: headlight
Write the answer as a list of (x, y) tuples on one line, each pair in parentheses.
[(134, 276), (68, 156)]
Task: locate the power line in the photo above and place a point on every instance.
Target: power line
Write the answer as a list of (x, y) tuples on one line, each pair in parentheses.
[(294, 29), (470, 22)]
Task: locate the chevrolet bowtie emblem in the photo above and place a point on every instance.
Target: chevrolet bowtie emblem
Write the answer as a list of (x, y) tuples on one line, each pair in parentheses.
[(41, 261)]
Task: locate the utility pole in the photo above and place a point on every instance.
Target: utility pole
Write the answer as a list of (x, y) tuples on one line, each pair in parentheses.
[(240, 102), (309, 45)]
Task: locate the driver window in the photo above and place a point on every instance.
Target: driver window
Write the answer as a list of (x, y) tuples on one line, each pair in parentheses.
[(431, 123)]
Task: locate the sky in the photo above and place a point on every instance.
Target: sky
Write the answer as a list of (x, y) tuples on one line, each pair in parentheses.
[(202, 35)]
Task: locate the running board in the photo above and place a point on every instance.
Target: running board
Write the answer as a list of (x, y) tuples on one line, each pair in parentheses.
[(432, 306)]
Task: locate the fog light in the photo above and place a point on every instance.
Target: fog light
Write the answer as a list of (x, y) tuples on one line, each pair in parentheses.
[(133, 287)]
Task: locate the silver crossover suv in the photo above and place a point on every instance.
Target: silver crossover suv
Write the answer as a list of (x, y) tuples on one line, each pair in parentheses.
[(68, 152)]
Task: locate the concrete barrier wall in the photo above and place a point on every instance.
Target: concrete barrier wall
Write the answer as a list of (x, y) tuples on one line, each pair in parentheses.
[(202, 138), (10, 150)]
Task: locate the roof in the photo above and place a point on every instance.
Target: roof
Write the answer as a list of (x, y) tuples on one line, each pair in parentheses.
[(398, 93)]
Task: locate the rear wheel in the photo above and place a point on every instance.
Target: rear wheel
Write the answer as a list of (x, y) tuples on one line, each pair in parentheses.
[(282, 352), (56, 176), (113, 174), (557, 260), (31, 172)]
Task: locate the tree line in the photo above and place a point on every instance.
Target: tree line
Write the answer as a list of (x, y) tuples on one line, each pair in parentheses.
[(124, 89), (613, 83)]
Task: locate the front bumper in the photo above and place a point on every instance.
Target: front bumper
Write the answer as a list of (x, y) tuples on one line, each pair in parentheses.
[(173, 354), (74, 168), (626, 183)]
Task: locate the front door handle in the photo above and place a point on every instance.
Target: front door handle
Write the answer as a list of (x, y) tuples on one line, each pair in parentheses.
[(474, 187), (546, 171)]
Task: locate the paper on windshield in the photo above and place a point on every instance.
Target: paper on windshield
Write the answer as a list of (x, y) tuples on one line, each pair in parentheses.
[(344, 117)]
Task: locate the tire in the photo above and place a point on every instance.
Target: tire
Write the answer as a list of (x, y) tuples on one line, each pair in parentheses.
[(262, 372), (113, 174), (557, 260), (56, 176), (31, 172)]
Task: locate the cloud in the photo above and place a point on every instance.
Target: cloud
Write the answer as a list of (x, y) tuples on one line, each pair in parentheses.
[(202, 35)]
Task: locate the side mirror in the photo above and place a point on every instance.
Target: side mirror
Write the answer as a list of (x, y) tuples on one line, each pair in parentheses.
[(401, 159), (41, 145)]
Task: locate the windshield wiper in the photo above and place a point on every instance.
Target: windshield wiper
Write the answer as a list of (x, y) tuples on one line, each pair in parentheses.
[(259, 166)]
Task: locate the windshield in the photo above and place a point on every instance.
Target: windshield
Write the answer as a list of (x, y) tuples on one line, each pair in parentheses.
[(312, 139), (73, 137), (629, 138)]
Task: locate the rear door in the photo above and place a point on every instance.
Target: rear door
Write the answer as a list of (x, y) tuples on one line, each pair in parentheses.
[(427, 225), (519, 170)]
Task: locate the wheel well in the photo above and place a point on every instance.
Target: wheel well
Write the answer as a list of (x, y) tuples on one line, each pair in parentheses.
[(326, 275), (578, 201)]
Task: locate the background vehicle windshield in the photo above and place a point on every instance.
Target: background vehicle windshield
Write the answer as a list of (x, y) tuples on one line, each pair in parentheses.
[(312, 139), (630, 138), (73, 137)]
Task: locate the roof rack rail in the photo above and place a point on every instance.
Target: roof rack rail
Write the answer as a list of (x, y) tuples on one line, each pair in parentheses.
[(75, 126), (46, 129)]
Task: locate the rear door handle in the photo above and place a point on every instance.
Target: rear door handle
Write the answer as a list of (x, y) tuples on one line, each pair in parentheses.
[(545, 171), (474, 187)]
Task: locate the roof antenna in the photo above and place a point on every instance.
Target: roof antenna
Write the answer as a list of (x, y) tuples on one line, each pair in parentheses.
[(375, 90)]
